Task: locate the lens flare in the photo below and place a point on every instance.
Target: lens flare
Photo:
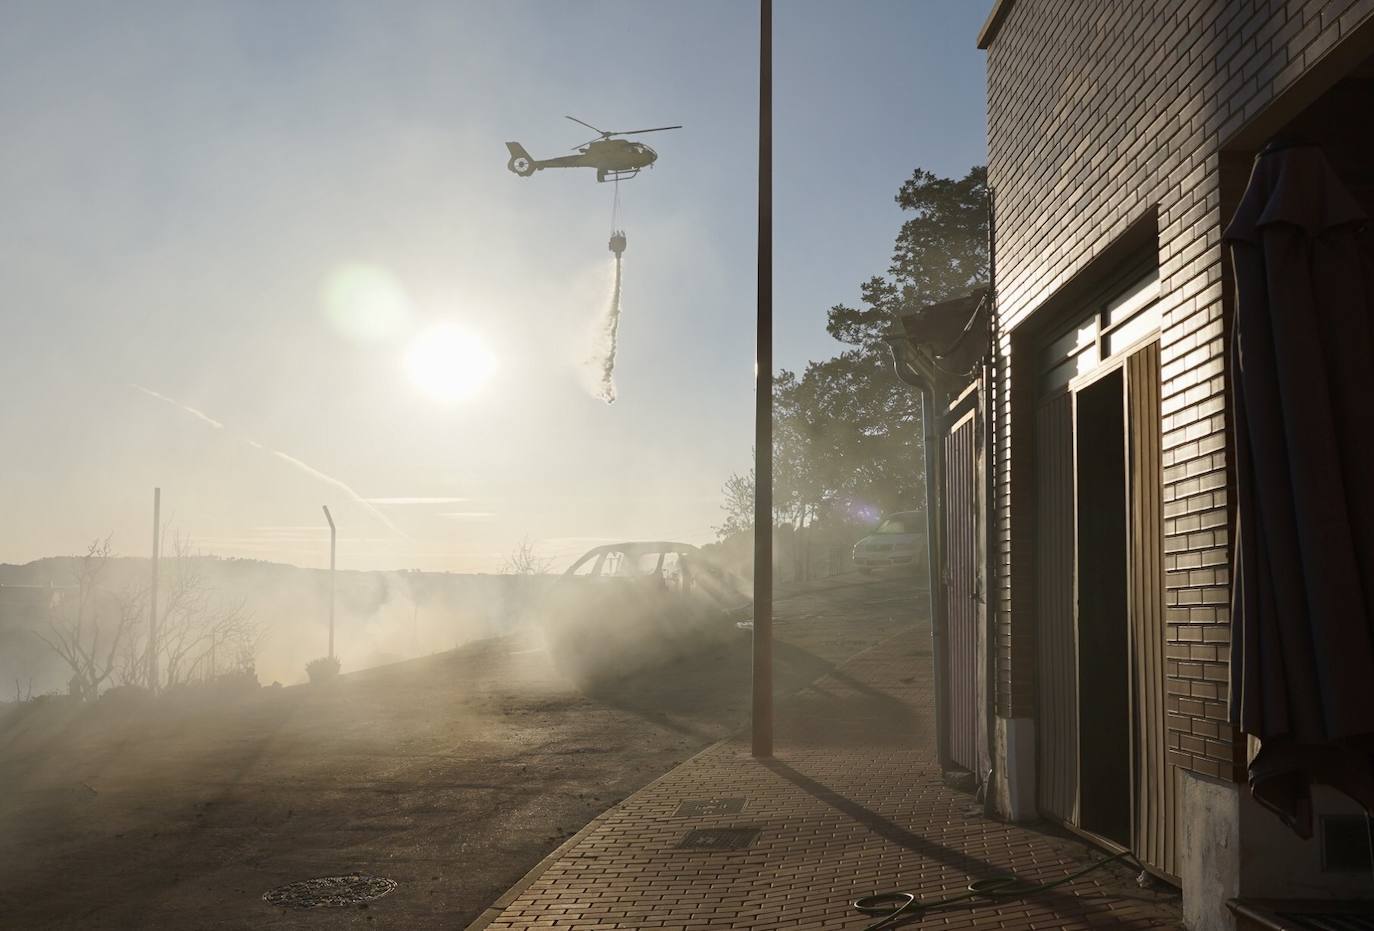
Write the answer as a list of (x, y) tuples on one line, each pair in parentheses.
[(365, 302), (449, 363)]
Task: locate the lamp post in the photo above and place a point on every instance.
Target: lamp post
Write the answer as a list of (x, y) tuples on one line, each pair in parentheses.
[(763, 407), (332, 538), (152, 590)]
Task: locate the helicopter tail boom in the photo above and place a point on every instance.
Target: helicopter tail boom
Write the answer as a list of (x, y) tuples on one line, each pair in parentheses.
[(520, 161)]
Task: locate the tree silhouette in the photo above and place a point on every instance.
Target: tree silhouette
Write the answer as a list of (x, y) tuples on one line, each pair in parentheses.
[(847, 433)]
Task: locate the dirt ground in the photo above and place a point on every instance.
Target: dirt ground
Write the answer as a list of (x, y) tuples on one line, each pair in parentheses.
[(452, 775)]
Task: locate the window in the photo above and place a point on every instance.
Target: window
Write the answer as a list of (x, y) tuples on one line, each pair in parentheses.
[(1109, 327), (645, 563), (672, 573), (588, 566)]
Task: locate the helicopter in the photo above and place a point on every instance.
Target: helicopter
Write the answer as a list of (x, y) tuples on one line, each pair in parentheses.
[(613, 159)]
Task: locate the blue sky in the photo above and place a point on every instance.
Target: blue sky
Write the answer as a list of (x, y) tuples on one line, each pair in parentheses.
[(183, 181)]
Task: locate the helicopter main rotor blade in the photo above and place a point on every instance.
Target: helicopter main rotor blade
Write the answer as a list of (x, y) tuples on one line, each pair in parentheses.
[(588, 125), (636, 132)]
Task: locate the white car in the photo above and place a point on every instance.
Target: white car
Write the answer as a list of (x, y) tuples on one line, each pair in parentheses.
[(900, 540)]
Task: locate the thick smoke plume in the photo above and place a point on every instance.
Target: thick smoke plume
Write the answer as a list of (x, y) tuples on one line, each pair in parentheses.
[(381, 617)]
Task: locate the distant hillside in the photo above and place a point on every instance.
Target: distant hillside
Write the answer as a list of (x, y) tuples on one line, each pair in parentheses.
[(380, 616)]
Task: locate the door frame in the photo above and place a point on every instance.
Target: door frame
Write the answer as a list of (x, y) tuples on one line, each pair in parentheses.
[(1109, 363), (965, 410)]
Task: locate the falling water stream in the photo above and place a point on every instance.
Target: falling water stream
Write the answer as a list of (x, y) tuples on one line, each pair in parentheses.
[(606, 341), (602, 361)]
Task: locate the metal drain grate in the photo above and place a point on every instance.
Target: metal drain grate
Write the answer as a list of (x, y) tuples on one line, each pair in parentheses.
[(329, 892), (719, 839), (703, 807)]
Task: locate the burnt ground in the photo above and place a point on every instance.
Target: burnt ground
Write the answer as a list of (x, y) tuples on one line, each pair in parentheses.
[(452, 775)]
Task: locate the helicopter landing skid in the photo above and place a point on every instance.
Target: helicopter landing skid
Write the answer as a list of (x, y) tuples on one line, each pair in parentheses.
[(606, 174)]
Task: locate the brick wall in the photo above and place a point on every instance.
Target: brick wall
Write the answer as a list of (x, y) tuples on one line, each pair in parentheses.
[(1100, 112)]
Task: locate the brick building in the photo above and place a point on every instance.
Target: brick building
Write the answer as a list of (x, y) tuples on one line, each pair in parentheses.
[(1120, 137)]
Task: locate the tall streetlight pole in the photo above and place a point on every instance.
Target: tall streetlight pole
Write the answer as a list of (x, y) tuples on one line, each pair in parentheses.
[(332, 538), (763, 406), (152, 590)]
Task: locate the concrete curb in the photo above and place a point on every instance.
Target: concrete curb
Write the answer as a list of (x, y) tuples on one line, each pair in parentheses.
[(497, 908)]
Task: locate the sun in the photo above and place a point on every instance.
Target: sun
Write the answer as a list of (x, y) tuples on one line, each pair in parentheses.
[(449, 362)]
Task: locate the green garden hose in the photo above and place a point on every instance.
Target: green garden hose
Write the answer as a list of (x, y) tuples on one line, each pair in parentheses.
[(898, 906)]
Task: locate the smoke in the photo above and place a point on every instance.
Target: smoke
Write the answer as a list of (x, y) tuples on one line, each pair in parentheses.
[(603, 353), (653, 607), (380, 617)]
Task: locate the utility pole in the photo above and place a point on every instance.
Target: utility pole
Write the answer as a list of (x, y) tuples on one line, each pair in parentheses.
[(332, 537), (413, 582), (763, 406), (152, 590)]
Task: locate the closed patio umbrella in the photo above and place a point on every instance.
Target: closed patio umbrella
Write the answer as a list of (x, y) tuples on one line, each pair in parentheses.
[(1302, 367)]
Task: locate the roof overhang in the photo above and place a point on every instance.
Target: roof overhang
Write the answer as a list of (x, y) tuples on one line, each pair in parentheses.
[(1000, 9), (942, 342)]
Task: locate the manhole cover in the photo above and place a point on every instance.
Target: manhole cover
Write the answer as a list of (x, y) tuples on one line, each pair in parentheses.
[(719, 839), (702, 807), (329, 892)]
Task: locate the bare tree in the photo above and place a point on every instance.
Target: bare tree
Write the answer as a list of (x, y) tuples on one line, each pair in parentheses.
[(524, 560), (529, 570), (197, 628), (739, 505), (197, 624), (86, 625)]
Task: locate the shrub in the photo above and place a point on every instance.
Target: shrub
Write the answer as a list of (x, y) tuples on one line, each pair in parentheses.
[(126, 695), (242, 679), (226, 687), (323, 669)]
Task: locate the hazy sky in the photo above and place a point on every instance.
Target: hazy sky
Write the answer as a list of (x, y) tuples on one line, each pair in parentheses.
[(226, 225)]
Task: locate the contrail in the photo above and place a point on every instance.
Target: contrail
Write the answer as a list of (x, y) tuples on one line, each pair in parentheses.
[(199, 415), (420, 500), (304, 467), (329, 479)]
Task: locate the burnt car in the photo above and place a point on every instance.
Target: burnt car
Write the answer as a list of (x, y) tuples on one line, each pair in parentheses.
[(628, 606)]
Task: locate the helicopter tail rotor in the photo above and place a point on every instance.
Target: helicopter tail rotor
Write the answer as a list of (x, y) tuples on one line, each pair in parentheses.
[(520, 161)]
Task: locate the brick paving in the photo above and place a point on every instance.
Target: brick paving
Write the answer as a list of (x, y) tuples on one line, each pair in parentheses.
[(852, 803)]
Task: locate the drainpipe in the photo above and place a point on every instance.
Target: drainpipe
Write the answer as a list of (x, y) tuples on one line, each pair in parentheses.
[(990, 588), (932, 421), (987, 412)]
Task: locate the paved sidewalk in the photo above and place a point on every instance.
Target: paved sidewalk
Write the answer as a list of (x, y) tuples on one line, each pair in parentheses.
[(853, 803)]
